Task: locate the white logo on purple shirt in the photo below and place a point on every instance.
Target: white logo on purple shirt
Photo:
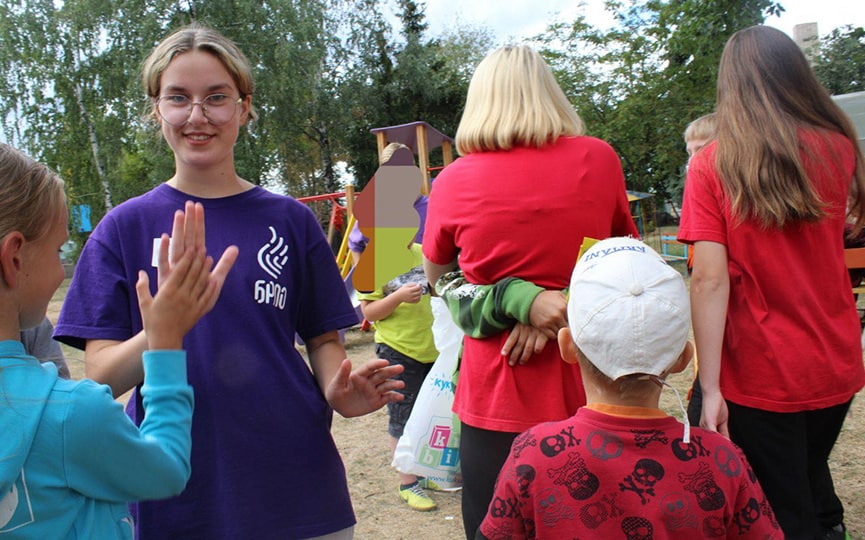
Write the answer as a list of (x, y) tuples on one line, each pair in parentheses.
[(272, 255), (272, 258)]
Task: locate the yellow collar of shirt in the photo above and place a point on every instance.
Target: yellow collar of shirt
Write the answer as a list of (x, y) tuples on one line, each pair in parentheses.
[(626, 411)]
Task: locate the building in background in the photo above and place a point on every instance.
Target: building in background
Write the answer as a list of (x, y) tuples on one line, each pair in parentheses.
[(807, 38), (854, 105)]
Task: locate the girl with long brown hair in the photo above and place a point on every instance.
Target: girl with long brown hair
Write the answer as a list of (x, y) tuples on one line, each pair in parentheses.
[(775, 322)]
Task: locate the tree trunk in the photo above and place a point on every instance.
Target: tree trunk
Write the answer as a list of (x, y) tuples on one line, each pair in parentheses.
[(94, 146)]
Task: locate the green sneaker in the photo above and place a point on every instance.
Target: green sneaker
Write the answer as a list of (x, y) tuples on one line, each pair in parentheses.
[(426, 483), (416, 499)]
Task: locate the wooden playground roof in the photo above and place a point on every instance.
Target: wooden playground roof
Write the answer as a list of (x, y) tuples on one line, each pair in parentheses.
[(407, 134), (421, 138)]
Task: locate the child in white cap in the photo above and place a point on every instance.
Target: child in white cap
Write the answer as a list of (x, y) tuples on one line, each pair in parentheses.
[(621, 467)]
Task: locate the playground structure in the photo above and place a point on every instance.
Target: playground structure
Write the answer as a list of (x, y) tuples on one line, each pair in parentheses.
[(652, 233), (423, 139)]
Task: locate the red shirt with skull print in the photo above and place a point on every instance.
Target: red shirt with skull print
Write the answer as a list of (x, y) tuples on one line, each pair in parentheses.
[(597, 475)]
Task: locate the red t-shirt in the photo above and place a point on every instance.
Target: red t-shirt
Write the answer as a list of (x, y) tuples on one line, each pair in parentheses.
[(598, 475), (792, 336), (523, 213)]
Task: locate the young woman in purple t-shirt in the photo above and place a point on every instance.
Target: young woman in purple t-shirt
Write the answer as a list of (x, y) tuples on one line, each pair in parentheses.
[(264, 464)]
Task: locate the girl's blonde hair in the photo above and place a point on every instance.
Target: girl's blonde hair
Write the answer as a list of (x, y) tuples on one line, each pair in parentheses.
[(31, 194), (766, 93), (197, 37), (514, 100), (388, 151), (702, 129)]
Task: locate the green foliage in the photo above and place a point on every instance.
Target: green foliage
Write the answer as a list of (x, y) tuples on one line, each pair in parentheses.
[(329, 71), (70, 95), (638, 84), (840, 60), (397, 83)]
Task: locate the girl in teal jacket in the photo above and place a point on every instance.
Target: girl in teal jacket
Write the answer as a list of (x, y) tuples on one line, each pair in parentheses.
[(70, 459)]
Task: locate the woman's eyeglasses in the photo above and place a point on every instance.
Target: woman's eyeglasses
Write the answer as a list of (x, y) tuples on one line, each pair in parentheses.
[(175, 109)]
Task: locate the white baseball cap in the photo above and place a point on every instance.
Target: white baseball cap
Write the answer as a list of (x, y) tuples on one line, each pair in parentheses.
[(628, 310)]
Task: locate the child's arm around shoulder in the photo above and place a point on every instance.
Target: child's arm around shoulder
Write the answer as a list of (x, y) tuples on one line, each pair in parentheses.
[(533, 314), (486, 310)]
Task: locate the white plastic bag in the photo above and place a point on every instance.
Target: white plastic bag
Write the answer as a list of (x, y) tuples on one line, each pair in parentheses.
[(429, 446)]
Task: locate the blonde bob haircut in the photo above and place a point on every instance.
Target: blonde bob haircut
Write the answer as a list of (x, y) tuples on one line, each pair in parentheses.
[(514, 100), (31, 195), (197, 37)]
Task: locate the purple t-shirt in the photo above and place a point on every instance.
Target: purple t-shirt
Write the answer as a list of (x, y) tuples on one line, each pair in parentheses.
[(264, 464)]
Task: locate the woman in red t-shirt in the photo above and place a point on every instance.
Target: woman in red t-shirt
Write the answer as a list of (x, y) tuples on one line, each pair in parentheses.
[(528, 187), (774, 318)]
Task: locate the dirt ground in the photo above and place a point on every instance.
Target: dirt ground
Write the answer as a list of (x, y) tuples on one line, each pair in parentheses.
[(373, 483)]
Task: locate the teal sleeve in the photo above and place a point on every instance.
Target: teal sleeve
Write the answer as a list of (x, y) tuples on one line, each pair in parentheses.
[(109, 458), (485, 310)]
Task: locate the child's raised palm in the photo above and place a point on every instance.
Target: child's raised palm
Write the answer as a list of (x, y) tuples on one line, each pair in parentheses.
[(188, 289)]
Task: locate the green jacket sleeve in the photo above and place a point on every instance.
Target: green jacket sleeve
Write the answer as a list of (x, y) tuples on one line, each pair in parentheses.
[(485, 310)]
